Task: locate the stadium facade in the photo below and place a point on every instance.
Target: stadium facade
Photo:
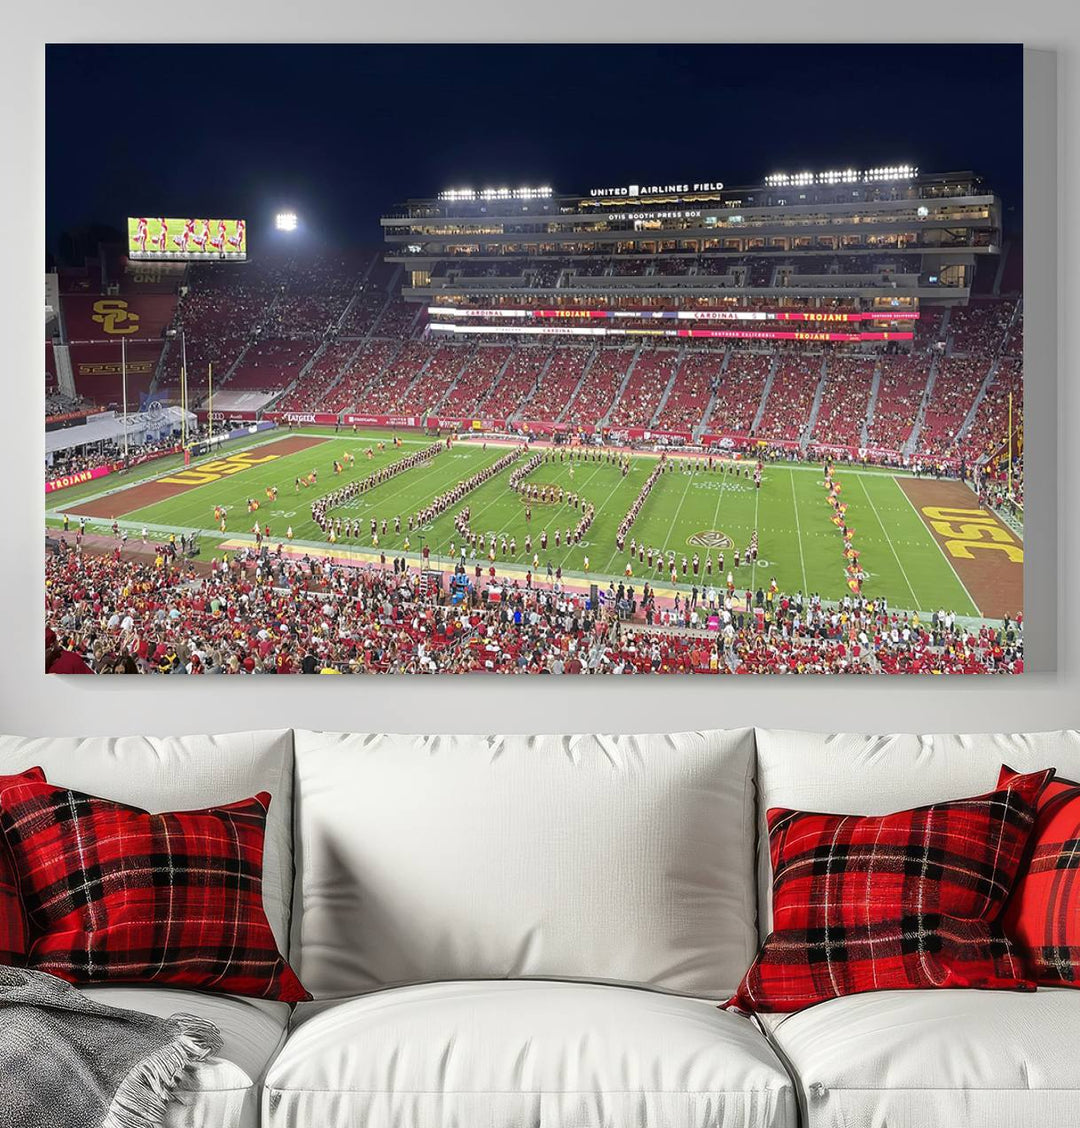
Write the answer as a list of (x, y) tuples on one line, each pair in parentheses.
[(862, 249)]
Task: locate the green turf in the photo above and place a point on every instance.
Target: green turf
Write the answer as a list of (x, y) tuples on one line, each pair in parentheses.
[(798, 544)]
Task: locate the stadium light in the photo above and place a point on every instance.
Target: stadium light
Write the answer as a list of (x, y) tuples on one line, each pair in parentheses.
[(285, 221), (840, 176), (453, 195)]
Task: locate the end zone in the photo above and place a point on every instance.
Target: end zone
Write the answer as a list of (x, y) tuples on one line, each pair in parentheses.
[(987, 557), (176, 482)]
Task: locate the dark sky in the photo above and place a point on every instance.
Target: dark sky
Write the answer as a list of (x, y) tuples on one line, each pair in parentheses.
[(342, 133)]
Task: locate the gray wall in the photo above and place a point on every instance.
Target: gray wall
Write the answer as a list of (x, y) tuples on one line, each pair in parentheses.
[(1048, 697)]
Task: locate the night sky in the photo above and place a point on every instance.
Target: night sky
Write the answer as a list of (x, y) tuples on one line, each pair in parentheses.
[(343, 133)]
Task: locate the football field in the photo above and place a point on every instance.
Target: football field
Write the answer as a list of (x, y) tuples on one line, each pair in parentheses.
[(908, 549)]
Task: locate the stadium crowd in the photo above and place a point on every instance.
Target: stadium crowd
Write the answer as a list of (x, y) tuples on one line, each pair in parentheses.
[(108, 454), (271, 614)]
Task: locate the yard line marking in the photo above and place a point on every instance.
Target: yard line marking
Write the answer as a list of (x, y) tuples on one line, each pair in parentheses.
[(975, 606), (753, 563), (678, 510), (716, 512), (888, 539), (798, 535)]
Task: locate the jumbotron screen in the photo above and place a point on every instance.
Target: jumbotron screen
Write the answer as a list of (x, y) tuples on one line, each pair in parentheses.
[(186, 239)]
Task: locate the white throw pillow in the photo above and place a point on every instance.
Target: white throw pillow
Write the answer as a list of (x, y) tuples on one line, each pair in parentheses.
[(620, 859)]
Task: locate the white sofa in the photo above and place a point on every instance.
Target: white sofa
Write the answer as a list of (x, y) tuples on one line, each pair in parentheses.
[(534, 932)]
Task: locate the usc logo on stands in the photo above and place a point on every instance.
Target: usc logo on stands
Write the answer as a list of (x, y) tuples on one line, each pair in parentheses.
[(112, 313)]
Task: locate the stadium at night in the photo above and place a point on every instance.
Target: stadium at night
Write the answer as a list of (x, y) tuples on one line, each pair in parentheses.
[(667, 426)]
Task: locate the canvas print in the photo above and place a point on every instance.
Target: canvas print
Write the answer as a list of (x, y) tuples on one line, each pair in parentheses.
[(548, 359)]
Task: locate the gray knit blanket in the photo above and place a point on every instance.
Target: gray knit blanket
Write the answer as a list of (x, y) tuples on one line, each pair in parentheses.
[(69, 1062)]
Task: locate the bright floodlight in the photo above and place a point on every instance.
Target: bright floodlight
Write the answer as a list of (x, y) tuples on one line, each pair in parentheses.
[(285, 221)]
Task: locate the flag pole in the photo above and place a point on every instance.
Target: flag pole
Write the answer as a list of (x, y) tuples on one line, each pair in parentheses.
[(1010, 455), (123, 376), (183, 392)]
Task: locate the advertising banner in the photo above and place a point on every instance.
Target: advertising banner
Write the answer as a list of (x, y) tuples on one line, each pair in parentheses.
[(318, 418), (677, 314), (752, 334), (68, 418), (381, 420), (76, 479), (467, 422)]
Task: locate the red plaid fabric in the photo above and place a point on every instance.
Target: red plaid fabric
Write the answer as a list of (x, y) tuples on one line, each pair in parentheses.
[(13, 930), (117, 895), (1042, 917), (908, 900)]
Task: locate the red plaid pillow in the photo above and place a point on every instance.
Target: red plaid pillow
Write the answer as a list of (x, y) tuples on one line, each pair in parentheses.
[(908, 900), (117, 895), (13, 932), (1043, 914)]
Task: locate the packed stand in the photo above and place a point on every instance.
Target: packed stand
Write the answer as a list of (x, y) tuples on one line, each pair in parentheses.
[(277, 615), (479, 376), (600, 387), (400, 319), (416, 380), (990, 425), (696, 379), (313, 392), (219, 313), (557, 386), (520, 380), (371, 296), (980, 326), (361, 373), (845, 401), (648, 381), (900, 391), (790, 399), (957, 384), (739, 393), (312, 297)]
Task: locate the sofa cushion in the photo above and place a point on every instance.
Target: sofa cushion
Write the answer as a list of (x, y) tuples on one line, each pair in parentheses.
[(181, 773), (1043, 914), (524, 1054), (14, 932), (842, 772), (625, 859), (905, 900), (223, 1091), (115, 894), (912, 1059)]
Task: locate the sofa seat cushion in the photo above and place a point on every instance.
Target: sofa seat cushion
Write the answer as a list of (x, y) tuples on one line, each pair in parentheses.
[(525, 1054), (223, 1091), (910, 1059)]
